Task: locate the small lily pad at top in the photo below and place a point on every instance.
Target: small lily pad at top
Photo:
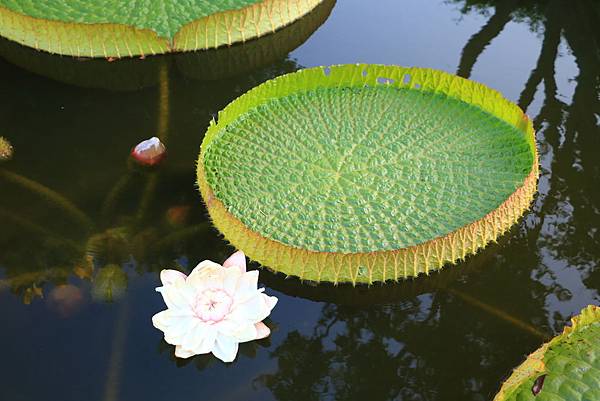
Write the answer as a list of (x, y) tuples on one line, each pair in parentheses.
[(115, 28), (362, 173), (565, 369)]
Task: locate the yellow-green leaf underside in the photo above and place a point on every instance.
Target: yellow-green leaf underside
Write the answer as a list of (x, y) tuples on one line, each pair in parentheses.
[(367, 173), (132, 73), (115, 28)]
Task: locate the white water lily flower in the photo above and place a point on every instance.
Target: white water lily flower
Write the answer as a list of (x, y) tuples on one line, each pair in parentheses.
[(213, 309)]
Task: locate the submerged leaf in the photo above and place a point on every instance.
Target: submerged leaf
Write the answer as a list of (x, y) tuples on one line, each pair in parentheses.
[(109, 284)]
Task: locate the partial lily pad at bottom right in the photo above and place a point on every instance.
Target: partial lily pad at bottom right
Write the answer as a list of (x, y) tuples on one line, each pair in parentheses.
[(565, 369)]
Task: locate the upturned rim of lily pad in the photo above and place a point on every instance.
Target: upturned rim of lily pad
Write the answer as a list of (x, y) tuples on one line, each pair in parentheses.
[(528, 378), (128, 74), (116, 40), (379, 265)]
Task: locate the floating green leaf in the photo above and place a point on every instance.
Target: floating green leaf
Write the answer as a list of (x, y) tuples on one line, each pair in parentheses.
[(114, 28), (133, 74), (564, 369), (367, 173)]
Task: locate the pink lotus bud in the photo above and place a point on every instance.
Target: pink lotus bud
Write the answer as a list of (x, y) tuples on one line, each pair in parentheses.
[(149, 152)]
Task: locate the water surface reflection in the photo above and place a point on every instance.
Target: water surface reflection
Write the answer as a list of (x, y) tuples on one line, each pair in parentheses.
[(83, 233)]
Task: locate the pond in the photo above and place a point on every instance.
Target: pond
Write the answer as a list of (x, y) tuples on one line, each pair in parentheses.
[(84, 233)]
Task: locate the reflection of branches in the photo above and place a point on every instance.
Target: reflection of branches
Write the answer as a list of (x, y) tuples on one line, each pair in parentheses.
[(115, 366), (441, 345), (566, 217), (426, 348), (434, 346), (545, 64), (499, 313), (483, 38)]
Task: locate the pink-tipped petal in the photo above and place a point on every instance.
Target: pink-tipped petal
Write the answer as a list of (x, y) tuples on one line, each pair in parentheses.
[(213, 309), (238, 260), (170, 277), (262, 330), (180, 352)]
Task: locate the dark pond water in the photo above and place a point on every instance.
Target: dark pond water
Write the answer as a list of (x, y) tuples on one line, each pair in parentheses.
[(83, 234)]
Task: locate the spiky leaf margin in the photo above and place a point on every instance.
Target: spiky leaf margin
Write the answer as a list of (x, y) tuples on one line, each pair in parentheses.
[(132, 74), (519, 385), (381, 265), (118, 40)]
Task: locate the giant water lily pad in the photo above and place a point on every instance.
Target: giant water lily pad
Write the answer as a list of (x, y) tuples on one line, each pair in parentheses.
[(367, 173), (132, 73), (116, 28), (565, 369)]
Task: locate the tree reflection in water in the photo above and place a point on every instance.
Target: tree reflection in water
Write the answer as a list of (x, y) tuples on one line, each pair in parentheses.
[(567, 218), (439, 345), (445, 342)]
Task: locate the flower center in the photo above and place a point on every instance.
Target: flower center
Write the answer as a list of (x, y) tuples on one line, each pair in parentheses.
[(212, 305)]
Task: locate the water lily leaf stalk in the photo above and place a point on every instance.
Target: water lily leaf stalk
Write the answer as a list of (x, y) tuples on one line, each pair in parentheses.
[(117, 353), (113, 28), (497, 312), (564, 369), (108, 206), (49, 195), (364, 173), (162, 134)]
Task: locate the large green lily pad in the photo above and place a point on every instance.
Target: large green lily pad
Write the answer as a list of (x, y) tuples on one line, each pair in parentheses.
[(115, 28), (367, 173), (133, 74), (565, 369)]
